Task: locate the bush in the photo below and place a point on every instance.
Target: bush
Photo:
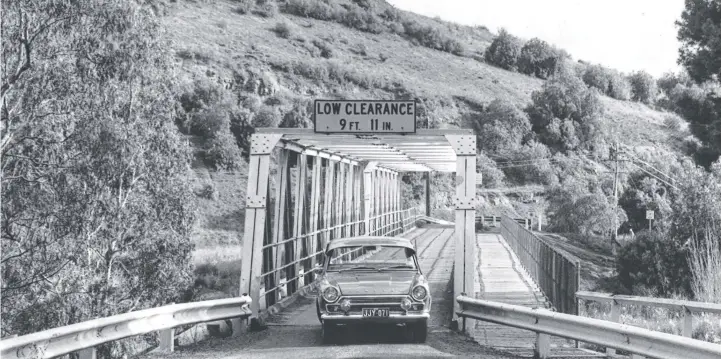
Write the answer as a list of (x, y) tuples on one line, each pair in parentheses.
[(222, 153), (504, 51), (673, 122), (267, 10), (299, 116), (266, 117), (643, 87), (314, 9), (565, 113), (654, 262), (501, 126), (244, 6), (491, 176), (282, 29), (538, 58), (208, 122), (360, 19), (325, 50), (432, 37), (668, 81), (241, 128), (533, 170), (607, 81)]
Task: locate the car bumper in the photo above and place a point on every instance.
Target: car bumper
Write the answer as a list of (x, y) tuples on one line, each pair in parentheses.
[(359, 318)]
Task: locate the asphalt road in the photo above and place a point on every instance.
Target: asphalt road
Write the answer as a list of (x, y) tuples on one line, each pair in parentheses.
[(296, 332)]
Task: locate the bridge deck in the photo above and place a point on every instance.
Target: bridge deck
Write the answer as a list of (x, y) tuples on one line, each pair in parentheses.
[(296, 331), (502, 279)]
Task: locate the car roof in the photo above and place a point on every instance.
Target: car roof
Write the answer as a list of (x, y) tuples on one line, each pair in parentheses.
[(370, 241)]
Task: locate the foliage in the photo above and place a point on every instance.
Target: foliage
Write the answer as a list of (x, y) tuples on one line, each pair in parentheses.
[(699, 32), (315, 9), (266, 117), (97, 209), (325, 50), (241, 127), (532, 167), (565, 113), (267, 10), (643, 87), (299, 116), (501, 126), (702, 109), (363, 20), (668, 81), (504, 51), (607, 81), (432, 37), (538, 58), (492, 177), (654, 262), (282, 29)]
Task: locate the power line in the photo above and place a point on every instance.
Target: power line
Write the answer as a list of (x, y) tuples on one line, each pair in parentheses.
[(651, 166), (654, 176)]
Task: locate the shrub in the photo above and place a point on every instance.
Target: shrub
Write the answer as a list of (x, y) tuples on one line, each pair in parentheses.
[(325, 50), (492, 177), (208, 122), (360, 49), (654, 261), (392, 14), (299, 116), (673, 122), (565, 113), (314, 9), (431, 37), (360, 19), (241, 128), (266, 117), (267, 10), (504, 51), (222, 152), (282, 29), (607, 81), (643, 87), (668, 81), (244, 6), (532, 170), (501, 126), (538, 58), (208, 192)]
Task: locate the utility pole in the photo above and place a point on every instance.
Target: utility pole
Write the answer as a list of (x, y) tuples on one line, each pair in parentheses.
[(614, 237), (428, 194)]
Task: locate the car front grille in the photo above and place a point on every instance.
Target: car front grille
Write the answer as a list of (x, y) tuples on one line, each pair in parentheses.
[(393, 303)]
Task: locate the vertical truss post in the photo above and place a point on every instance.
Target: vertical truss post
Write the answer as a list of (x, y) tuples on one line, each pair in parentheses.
[(465, 257), (348, 205), (377, 193), (357, 200), (368, 196), (328, 203), (296, 248), (396, 208), (338, 198), (314, 204), (255, 215), (279, 226), (381, 201)]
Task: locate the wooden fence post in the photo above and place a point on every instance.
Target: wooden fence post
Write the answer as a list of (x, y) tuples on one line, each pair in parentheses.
[(167, 340), (615, 317), (543, 346), (687, 323), (87, 353)]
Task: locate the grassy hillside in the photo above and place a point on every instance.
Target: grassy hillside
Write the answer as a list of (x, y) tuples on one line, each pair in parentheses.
[(280, 59)]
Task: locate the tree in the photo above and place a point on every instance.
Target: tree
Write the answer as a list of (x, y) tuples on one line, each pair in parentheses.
[(539, 59), (501, 126), (565, 113), (504, 51), (97, 208), (699, 33), (643, 87)]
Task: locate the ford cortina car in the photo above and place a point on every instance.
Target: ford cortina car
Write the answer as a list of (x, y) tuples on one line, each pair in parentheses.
[(372, 280)]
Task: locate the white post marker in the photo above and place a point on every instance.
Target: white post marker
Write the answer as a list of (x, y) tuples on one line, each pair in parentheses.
[(364, 116)]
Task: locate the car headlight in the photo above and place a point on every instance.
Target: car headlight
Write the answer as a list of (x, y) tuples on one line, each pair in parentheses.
[(331, 294), (419, 293)]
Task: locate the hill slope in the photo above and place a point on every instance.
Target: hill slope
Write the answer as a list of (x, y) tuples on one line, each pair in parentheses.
[(305, 59)]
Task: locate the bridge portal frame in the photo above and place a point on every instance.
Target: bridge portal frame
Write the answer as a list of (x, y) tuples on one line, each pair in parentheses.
[(364, 173)]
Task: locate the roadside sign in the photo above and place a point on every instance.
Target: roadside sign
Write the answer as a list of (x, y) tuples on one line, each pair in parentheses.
[(364, 116), (649, 214)]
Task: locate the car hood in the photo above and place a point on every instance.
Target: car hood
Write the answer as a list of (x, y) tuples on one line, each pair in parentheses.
[(370, 283)]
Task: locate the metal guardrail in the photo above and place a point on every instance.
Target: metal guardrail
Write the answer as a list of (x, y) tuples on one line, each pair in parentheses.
[(685, 306), (556, 275), (619, 336), (85, 336), (495, 221)]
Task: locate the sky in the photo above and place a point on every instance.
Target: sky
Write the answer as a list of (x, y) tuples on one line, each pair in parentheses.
[(626, 35)]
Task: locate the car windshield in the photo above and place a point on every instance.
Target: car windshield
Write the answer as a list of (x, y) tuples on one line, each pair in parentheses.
[(371, 258)]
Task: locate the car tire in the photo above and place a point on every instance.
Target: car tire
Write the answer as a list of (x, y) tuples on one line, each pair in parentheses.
[(419, 331), (329, 332)]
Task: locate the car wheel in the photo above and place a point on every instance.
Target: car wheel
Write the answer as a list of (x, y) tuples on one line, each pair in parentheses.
[(329, 332), (419, 331)]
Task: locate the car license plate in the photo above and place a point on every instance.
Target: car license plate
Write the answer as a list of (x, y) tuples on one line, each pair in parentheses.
[(376, 312)]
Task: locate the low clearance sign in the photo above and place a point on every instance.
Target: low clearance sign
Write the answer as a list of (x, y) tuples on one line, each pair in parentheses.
[(369, 116)]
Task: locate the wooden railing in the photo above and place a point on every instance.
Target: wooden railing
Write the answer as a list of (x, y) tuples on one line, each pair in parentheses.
[(557, 275), (495, 221), (688, 308)]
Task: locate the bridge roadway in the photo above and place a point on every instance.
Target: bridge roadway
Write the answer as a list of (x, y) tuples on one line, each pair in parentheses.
[(296, 331)]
